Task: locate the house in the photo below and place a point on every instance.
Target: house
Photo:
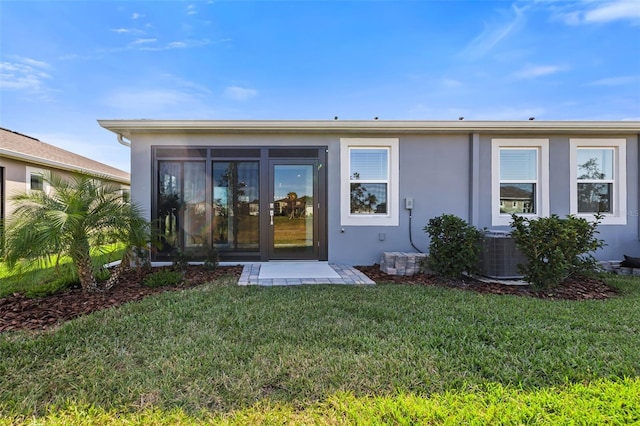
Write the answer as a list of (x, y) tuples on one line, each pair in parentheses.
[(371, 186), (24, 159)]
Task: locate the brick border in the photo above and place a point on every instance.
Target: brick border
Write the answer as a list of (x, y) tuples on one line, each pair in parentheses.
[(348, 276)]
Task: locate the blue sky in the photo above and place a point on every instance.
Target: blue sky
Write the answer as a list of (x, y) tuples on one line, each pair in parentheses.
[(66, 64)]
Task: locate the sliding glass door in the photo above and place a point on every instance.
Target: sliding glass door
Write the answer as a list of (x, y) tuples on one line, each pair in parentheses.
[(254, 203), (236, 205)]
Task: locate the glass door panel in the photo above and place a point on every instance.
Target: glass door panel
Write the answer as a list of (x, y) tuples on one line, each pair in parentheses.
[(236, 205), (194, 205), (292, 211), (169, 202), (181, 206)]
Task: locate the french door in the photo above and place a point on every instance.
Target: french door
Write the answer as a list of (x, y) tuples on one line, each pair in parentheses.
[(294, 228), (253, 203)]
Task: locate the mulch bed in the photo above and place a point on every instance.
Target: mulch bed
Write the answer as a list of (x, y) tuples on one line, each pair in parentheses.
[(573, 288), (18, 312)]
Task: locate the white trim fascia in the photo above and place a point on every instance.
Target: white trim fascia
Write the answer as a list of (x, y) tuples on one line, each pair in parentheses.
[(542, 196), (127, 127), (619, 216), (393, 199), (57, 165)]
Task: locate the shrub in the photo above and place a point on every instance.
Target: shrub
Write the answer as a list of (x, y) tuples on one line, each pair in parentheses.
[(162, 278), (211, 261), (454, 247), (180, 260), (556, 248), (103, 274), (54, 286)]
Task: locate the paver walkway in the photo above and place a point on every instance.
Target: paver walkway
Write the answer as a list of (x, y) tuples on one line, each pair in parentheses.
[(346, 275)]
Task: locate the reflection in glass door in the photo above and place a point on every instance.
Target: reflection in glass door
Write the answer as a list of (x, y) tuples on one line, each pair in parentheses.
[(292, 210), (236, 206)]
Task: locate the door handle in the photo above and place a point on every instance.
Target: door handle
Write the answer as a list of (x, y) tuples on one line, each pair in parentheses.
[(271, 216)]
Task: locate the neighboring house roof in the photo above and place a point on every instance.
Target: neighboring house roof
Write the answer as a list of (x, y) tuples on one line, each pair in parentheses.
[(31, 150), (127, 127), (514, 193)]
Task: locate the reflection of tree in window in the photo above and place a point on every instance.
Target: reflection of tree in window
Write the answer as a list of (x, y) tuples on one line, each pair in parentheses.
[(593, 196), (169, 205), (235, 188), (367, 198), (235, 205), (292, 198), (368, 180)]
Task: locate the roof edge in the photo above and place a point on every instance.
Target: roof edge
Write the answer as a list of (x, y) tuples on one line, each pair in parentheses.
[(126, 127), (50, 163)]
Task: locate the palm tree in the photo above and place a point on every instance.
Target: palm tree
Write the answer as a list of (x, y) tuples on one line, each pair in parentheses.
[(291, 201), (371, 201), (75, 215)]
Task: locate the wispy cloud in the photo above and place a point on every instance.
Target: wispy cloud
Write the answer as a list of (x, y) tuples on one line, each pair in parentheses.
[(238, 93), (35, 63), (494, 33), (179, 83), (178, 45), (607, 12), (154, 45), (534, 71), (174, 103), (144, 41), (191, 9), (615, 81), (577, 13), (150, 100), (137, 16), (24, 74)]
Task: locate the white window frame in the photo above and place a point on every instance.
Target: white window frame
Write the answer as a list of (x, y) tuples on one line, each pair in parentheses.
[(393, 187), (36, 171), (619, 199), (542, 182)]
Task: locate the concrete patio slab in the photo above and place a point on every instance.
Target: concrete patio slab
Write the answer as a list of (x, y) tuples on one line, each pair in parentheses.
[(301, 273)]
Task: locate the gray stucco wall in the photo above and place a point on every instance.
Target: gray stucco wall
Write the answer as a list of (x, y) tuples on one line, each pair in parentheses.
[(435, 170), (621, 239)]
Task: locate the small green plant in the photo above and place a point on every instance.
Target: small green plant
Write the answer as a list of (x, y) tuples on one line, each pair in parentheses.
[(102, 275), (52, 287), (180, 260), (454, 247), (163, 278), (556, 248), (212, 259)]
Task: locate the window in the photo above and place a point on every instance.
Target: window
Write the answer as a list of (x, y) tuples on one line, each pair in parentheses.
[(236, 205), (35, 180), (520, 179), (181, 208), (598, 183), (370, 184), (368, 180)]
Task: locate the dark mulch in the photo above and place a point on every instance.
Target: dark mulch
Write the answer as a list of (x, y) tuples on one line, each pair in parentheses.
[(574, 288), (18, 312)]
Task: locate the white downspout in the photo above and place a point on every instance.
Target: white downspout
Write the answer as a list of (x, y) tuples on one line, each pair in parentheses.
[(122, 141)]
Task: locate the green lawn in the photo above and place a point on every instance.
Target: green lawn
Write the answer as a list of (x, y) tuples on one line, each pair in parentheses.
[(332, 354), (37, 279)]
